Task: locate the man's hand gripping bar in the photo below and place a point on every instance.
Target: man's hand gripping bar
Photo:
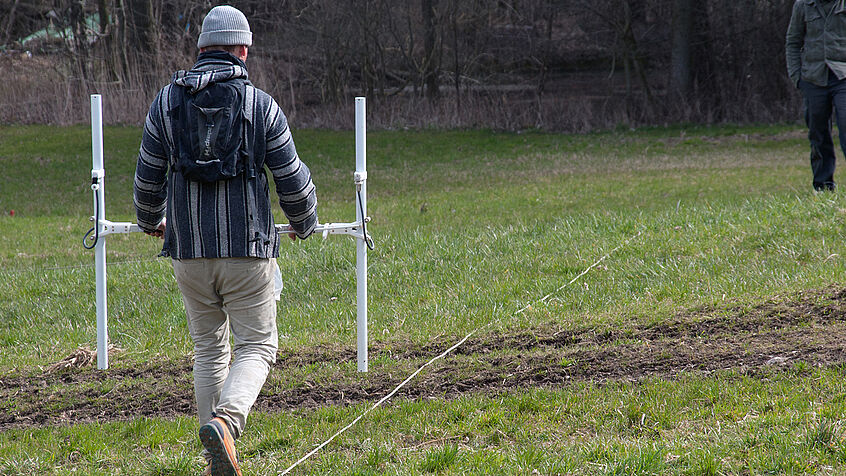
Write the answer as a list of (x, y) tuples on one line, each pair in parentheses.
[(353, 229)]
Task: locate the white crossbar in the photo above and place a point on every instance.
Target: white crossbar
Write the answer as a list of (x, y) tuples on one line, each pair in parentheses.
[(108, 227), (104, 228)]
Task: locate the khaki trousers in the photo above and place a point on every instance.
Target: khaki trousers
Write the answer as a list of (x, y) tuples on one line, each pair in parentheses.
[(226, 296)]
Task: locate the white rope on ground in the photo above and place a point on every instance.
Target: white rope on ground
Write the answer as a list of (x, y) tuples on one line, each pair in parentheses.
[(375, 405), (600, 260), (445, 353)]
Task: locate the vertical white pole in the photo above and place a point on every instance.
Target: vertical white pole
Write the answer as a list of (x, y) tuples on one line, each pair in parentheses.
[(361, 244), (100, 249)]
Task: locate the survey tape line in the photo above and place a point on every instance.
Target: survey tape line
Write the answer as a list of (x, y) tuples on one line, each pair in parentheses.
[(444, 354), (586, 271), (377, 404)]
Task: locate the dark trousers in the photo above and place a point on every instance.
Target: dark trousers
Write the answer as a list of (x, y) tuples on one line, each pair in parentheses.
[(819, 102)]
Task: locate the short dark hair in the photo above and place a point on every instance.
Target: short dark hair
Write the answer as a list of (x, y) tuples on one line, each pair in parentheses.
[(232, 49)]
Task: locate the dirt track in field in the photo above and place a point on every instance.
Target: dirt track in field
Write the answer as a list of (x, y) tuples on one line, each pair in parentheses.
[(779, 334)]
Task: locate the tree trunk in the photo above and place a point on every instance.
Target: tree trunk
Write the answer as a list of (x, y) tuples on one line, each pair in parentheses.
[(7, 34), (545, 53), (80, 37), (457, 72), (430, 66), (681, 72), (103, 15), (143, 42), (107, 40)]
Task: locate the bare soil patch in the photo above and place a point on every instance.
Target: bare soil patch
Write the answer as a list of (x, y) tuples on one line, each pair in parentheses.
[(769, 337)]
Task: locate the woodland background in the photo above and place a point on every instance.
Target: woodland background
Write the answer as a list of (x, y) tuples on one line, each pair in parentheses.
[(560, 65)]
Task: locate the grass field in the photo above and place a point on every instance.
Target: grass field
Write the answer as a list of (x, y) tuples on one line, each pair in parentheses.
[(711, 342)]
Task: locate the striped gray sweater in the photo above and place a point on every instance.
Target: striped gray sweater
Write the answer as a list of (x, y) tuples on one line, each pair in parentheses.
[(214, 220)]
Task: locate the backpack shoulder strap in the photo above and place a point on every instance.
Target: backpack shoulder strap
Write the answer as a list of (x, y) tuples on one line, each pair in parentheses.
[(248, 93), (176, 110)]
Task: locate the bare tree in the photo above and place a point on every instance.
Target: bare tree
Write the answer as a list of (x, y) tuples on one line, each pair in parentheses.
[(621, 17), (430, 56), (10, 20), (142, 34), (681, 72), (522, 59)]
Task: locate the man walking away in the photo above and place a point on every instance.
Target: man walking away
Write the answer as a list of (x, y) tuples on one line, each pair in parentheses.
[(816, 63), (201, 185)]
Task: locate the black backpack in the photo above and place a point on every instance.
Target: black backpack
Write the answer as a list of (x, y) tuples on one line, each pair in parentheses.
[(210, 131)]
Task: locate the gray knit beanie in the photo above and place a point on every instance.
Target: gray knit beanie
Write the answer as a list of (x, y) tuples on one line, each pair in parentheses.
[(225, 25)]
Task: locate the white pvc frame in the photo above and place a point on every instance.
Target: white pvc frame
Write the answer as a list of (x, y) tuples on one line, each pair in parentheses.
[(355, 229)]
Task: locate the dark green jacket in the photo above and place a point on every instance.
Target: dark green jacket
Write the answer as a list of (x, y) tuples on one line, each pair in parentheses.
[(816, 41)]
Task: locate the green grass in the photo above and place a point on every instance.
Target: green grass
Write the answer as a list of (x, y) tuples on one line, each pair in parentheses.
[(728, 424), (470, 226)]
